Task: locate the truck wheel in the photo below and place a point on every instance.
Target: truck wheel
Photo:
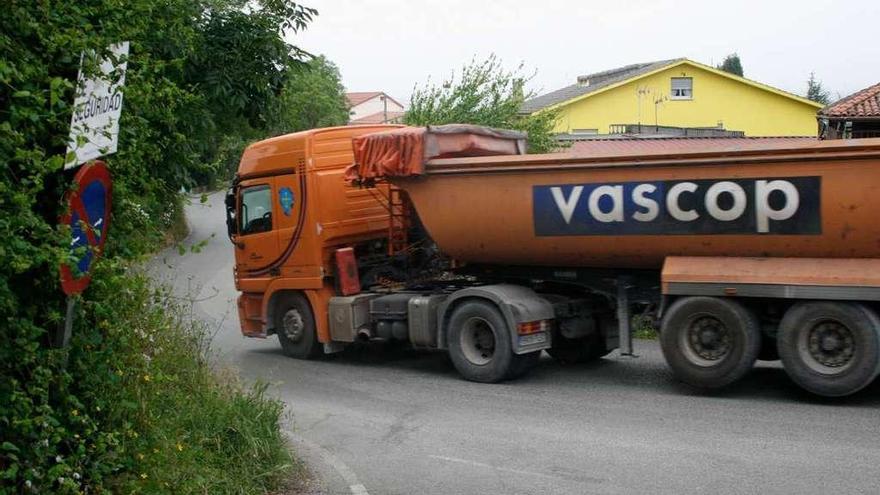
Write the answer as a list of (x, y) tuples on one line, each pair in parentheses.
[(479, 344), (295, 326), (709, 342), (830, 348)]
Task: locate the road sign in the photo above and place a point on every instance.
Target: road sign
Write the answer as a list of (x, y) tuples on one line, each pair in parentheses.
[(88, 215), (94, 125)]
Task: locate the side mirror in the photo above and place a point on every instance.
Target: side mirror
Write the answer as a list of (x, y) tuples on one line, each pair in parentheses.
[(231, 221)]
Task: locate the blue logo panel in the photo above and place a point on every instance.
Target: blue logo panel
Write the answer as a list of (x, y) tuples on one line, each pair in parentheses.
[(788, 205), (285, 197)]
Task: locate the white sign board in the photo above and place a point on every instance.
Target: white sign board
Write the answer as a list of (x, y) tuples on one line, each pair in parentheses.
[(94, 126)]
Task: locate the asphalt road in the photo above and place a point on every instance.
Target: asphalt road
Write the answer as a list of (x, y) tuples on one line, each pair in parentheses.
[(384, 421)]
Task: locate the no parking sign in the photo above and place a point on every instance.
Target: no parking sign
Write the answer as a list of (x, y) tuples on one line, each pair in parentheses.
[(88, 215)]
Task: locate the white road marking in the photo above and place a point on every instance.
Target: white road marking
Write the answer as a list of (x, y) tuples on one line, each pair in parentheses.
[(356, 487)]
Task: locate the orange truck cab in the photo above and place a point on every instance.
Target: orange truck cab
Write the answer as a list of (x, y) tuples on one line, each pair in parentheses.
[(288, 212)]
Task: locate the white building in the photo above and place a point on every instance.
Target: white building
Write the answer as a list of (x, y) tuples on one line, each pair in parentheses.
[(373, 107)]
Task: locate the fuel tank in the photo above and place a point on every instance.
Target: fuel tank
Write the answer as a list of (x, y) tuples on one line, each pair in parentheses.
[(818, 199)]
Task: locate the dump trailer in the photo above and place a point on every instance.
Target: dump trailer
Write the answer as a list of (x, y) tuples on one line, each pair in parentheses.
[(452, 238)]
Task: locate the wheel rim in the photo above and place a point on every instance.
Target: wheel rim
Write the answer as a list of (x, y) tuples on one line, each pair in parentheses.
[(828, 347), (293, 325), (707, 341), (478, 341)]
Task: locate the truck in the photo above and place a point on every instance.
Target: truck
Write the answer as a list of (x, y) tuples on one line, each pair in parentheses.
[(453, 238)]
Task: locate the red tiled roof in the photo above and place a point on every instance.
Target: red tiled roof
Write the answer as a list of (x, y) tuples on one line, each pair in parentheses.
[(356, 98), (675, 145), (379, 118), (865, 103)]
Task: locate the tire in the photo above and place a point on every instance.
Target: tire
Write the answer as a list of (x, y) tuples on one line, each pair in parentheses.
[(480, 346), (709, 342), (830, 349), (295, 326)]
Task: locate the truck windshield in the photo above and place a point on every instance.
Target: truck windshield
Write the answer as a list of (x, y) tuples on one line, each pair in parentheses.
[(256, 209)]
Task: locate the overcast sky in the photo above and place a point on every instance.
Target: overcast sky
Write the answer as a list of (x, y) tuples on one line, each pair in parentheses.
[(391, 45)]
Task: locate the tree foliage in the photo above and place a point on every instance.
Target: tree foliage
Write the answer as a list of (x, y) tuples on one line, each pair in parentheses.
[(241, 61), (199, 71), (483, 93), (732, 64), (312, 97), (817, 92)]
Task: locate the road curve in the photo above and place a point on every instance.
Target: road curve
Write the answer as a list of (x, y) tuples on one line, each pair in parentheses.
[(384, 421)]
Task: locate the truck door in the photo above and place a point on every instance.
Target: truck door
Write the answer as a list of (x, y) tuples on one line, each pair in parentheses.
[(289, 220), (257, 226)]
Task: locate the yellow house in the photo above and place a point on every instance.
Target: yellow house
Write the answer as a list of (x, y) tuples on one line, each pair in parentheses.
[(676, 93)]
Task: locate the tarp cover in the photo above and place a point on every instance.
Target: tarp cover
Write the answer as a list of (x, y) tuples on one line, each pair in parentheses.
[(403, 152)]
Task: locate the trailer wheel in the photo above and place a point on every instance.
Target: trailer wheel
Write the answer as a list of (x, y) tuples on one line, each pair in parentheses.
[(479, 344), (295, 326), (830, 348), (709, 342)]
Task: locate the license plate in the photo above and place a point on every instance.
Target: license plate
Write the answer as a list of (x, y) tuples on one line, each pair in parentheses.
[(535, 338)]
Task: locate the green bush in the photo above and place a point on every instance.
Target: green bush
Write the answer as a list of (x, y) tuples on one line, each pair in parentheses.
[(107, 413), (137, 408)]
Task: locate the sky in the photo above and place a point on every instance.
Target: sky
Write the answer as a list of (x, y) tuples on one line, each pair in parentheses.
[(393, 45)]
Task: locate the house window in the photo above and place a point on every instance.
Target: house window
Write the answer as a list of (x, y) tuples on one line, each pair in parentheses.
[(682, 88), (588, 132)]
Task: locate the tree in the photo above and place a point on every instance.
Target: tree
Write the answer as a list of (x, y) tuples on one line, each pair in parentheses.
[(816, 92), (484, 93), (198, 72), (732, 64), (242, 60), (312, 97)]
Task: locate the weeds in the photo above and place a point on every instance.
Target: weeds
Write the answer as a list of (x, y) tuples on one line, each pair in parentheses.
[(192, 429), (138, 408)]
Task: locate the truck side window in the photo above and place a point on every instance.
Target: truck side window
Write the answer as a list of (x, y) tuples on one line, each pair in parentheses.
[(256, 209)]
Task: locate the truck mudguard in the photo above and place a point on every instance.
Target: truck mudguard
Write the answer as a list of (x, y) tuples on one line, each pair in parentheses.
[(517, 304)]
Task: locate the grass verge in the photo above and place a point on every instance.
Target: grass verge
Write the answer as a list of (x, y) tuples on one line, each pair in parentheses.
[(192, 429)]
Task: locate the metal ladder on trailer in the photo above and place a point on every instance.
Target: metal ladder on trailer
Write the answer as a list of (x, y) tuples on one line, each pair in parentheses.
[(399, 207)]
